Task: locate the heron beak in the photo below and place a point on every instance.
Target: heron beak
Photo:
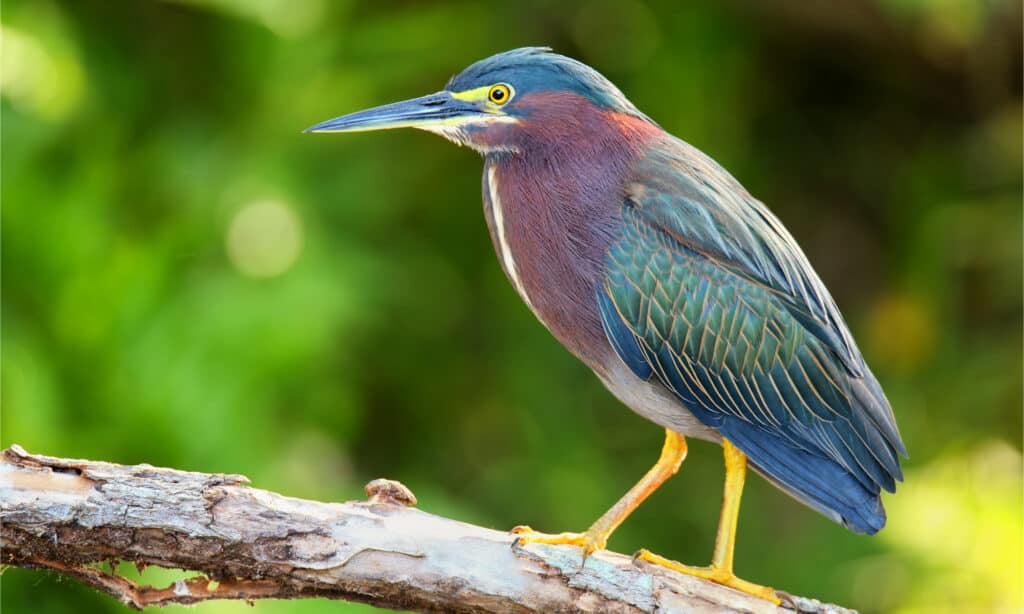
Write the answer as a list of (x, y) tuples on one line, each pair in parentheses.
[(431, 112)]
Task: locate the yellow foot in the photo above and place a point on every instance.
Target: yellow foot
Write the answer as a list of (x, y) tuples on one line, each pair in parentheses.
[(588, 541), (715, 574)]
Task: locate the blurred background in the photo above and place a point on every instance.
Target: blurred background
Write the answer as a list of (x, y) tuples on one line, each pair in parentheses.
[(190, 281)]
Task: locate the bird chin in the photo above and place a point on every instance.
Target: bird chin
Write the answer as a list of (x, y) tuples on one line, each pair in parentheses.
[(455, 134), (467, 134)]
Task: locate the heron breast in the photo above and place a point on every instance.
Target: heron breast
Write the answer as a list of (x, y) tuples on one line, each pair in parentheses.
[(508, 260)]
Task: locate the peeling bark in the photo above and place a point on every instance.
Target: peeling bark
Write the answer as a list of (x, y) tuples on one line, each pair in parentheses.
[(67, 515)]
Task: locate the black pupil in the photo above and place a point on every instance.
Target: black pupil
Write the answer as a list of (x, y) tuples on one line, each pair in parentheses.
[(498, 93)]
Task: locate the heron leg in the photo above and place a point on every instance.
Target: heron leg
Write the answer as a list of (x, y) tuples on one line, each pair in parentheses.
[(720, 570), (596, 537)]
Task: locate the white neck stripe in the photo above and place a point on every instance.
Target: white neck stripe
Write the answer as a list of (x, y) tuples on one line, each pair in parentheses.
[(499, 230)]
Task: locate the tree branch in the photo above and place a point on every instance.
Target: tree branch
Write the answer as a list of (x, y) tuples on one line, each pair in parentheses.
[(69, 515)]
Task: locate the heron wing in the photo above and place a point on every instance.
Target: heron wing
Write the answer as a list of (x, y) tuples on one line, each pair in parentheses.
[(706, 290)]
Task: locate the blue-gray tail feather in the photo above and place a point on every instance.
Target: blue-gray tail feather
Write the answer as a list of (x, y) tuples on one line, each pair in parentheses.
[(819, 482)]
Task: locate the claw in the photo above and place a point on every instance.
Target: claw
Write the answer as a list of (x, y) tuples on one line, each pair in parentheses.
[(589, 542), (718, 575)]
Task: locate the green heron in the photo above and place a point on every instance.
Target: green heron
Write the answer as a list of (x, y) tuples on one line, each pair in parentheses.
[(683, 293)]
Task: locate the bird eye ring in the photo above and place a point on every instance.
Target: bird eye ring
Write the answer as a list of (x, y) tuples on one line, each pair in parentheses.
[(499, 94)]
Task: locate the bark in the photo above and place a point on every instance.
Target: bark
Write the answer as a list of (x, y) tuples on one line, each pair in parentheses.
[(238, 542)]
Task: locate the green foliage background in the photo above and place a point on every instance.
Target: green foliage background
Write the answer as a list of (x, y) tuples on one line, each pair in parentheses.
[(190, 281)]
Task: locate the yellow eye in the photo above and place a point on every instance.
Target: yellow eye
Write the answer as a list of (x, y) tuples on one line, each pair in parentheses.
[(499, 94)]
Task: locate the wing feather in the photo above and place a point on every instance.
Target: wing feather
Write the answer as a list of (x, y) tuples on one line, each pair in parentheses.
[(707, 292)]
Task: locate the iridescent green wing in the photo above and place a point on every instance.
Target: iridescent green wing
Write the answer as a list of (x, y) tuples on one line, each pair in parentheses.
[(726, 312)]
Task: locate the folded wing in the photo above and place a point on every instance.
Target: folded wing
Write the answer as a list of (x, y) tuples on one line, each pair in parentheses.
[(707, 291)]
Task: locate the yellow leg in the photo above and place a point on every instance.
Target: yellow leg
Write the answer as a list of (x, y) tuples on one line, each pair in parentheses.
[(720, 570), (596, 537)]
